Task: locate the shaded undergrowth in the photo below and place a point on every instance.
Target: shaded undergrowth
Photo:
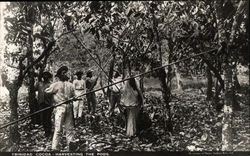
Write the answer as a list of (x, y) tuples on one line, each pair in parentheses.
[(196, 127)]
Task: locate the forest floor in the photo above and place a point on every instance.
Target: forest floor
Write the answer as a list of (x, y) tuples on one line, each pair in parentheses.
[(196, 127)]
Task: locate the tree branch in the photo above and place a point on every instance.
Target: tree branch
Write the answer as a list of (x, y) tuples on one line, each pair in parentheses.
[(214, 70), (241, 8), (37, 35), (12, 66), (44, 53), (66, 33)]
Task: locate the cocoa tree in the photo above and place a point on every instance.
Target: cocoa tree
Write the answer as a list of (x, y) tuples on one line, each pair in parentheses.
[(30, 41), (227, 24)]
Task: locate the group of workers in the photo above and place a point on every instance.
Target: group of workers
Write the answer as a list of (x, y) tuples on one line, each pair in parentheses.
[(125, 94)]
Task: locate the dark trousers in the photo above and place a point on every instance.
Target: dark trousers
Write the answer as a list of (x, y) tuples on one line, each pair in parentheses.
[(91, 102), (46, 119), (115, 99)]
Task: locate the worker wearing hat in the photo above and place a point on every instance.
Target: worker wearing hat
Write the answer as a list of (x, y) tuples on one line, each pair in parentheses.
[(91, 97), (45, 100), (62, 91), (79, 85)]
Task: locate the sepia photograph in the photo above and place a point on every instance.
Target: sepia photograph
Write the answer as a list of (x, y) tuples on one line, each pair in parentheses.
[(124, 77)]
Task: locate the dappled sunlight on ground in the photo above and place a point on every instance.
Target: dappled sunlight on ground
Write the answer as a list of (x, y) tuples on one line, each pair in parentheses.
[(196, 123), (197, 126)]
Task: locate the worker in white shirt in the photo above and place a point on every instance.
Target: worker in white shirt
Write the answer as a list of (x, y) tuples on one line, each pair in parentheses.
[(79, 85), (62, 91)]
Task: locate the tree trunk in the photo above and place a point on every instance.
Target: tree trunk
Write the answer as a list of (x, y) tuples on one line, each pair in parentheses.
[(236, 87), (235, 78), (111, 71), (33, 105), (123, 65), (103, 90), (216, 94), (226, 38), (142, 83), (214, 70), (209, 85), (219, 83), (129, 67), (178, 78), (166, 95), (13, 103), (227, 142), (13, 87), (42, 68), (1, 82), (236, 81), (216, 99), (101, 78), (164, 75)]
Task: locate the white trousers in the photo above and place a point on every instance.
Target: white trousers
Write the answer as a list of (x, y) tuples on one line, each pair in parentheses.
[(78, 108), (132, 113), (63, 117)]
